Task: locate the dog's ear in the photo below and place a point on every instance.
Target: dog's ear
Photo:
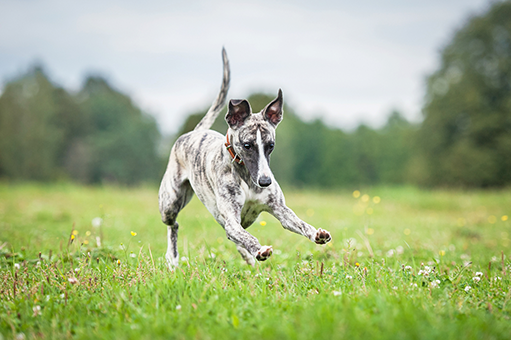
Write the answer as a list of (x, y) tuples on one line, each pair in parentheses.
[(273, 111), (239, 111)]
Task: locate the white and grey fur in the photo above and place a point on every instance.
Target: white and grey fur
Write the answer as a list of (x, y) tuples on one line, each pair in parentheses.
[(235, 194)]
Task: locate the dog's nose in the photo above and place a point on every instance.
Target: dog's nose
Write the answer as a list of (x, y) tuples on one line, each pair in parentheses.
[(264, 181)]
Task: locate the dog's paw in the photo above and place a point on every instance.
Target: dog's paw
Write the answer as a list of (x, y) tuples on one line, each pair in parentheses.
[(322, 236), (264, 253)]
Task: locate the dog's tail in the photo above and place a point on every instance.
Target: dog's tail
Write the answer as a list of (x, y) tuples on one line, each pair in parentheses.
[(219, 102)]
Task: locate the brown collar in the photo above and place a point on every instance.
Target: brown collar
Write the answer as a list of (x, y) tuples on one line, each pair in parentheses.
[(235, 157)]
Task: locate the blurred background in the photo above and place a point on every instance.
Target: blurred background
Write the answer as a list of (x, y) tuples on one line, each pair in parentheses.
[(377, 93)]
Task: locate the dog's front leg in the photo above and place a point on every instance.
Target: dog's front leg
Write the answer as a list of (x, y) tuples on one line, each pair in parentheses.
[(229, 208), (243, 239), (293, 223)]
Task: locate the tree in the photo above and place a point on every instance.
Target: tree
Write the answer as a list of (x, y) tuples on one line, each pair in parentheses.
[(37, 121), (122, 139), (465, 138), (94, 137)]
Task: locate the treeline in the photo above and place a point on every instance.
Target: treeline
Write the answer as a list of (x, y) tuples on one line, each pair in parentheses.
[(95, 136), (98, 135), (313, 154)]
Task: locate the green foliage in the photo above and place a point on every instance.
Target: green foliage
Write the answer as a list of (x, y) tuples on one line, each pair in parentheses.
[(37, 120), (96, 136), (465, 138), (53, 288), (315, 155), (123, 139)]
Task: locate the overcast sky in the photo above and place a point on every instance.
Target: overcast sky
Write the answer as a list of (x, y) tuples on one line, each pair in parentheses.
[(346, 61)]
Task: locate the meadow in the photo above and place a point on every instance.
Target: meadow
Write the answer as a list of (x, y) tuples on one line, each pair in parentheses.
[(88, 262)]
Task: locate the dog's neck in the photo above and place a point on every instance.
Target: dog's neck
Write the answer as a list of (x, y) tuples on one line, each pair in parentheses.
[(230, 149)]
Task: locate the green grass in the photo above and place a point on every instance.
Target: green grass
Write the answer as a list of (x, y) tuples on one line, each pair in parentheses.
[(358, 286)]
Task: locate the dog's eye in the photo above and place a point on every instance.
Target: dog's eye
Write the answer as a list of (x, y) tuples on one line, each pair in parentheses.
[(271, 146), (247, 146)]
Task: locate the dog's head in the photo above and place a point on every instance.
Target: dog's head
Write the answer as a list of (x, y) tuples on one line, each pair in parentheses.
[(252, 136)]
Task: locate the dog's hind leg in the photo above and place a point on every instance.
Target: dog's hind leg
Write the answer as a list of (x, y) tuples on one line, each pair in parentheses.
[(173, 196)]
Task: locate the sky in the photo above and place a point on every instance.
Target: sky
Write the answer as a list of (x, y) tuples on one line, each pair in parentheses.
[(347, 62)]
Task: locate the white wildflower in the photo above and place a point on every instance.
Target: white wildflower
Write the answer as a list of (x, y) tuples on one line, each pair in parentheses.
[(476, 279), (336, 293), (133, 255), (72, 280), (391, 253), (408, 268), (400, 250), (349, 277), (97, 222), (479, 274), (17, 266), (178, 307), (467, 288), (435, 284)]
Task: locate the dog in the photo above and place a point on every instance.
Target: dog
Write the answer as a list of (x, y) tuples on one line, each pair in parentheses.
[(230, 175)]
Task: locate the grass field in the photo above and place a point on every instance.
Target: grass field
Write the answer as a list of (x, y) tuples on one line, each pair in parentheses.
[(403, 263)]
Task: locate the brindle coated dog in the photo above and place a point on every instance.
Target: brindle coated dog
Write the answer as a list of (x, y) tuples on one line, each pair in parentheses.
[(230, 175)]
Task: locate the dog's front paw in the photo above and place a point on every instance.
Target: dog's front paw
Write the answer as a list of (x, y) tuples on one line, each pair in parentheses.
[(322, 236), (264, 253)]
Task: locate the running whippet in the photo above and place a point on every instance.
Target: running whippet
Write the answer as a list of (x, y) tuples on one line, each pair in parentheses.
[(230, 175)]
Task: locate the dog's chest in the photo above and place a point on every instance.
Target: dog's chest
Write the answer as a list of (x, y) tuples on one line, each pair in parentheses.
[(255, 203), (250, 212)]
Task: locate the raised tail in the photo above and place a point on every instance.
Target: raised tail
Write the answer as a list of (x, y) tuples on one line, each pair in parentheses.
[(219, 103)]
